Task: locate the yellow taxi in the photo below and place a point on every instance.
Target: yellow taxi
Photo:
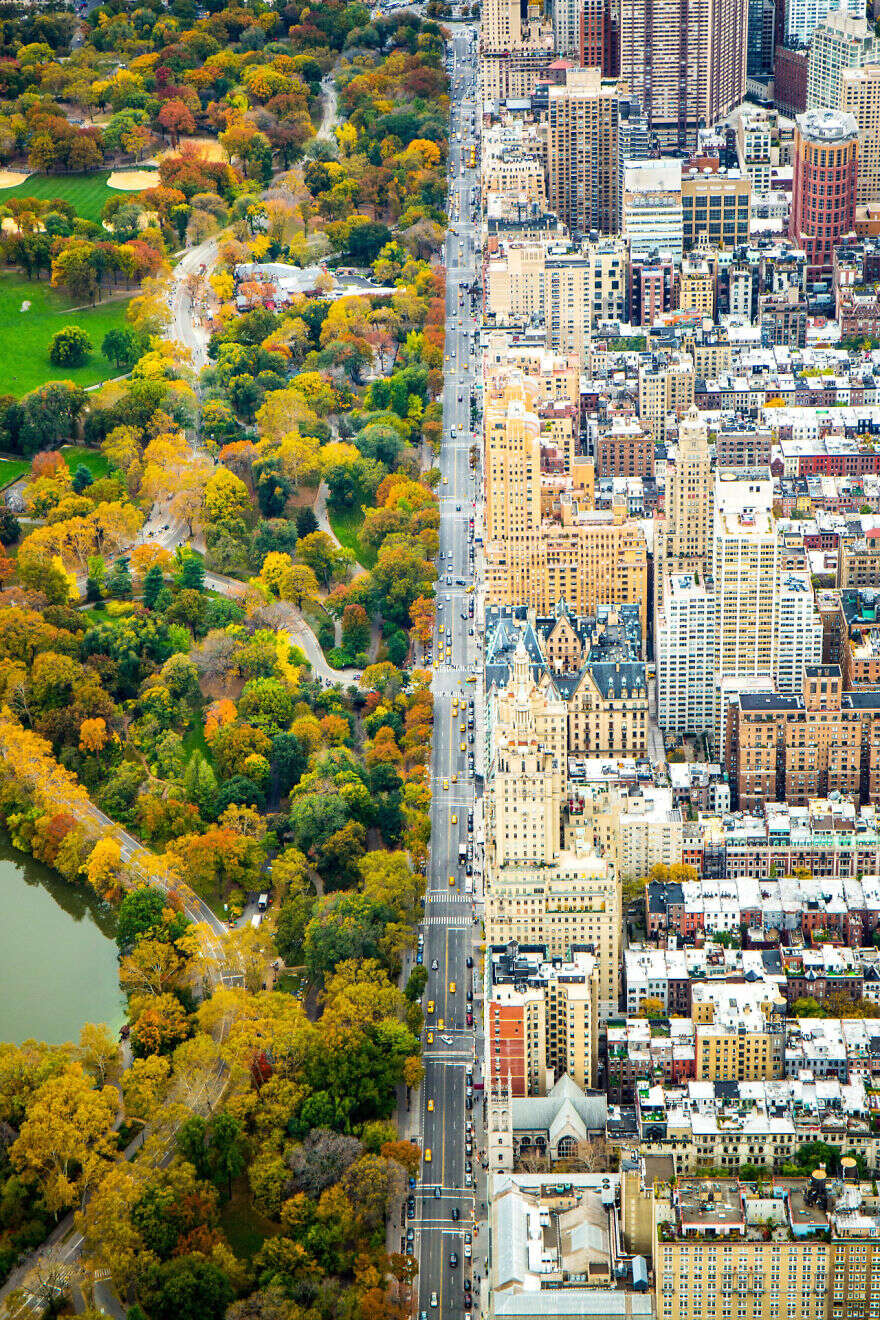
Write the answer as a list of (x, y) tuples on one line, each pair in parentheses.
[(445, 481), (428, 1155), (446, 785), (454, 818), (472, 678), (462, 728), (455, 779), (463, 746), (430, 1038), (430, 1106), (430, 1006), (452, 987), (441, 1024), (451, 881)]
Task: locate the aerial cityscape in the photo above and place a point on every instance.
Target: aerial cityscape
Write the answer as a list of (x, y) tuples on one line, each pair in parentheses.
[(440, 660)]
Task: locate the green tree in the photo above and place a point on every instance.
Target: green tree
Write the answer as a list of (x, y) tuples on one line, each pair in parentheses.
[(186, 1288), (154, 581), (122, 346), (69, 347), (82, 478), (119, 582)]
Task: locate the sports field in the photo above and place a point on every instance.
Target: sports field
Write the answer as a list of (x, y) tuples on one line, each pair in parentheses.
[(87, 193)]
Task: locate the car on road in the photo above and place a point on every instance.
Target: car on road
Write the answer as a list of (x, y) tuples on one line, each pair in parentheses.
[(433, 1299), (430, 1006), (437, 1193), (468, 1180), (470, 1019), (430, 1106), (430, 1038), (452, 987), (428, 1155), (447, 1040), (467, 1285), (410, 1236), (434, 964), (468, 1301), (453, 1260), (455, 1214)]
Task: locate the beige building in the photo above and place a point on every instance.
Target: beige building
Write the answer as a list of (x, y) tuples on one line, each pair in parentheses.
[(608, 711), (516, 73), (839, 42), (513, 460), (527, 770), (582, 151), (740, 1031), (714, 1255), (576, 901), (587, 558), (687, 523), (666, 386), (514, 283), (696, 289), (501, 25), (716, 207), (859, 95), (541, 1020), (580, 289), (745, 563), (685, 62), (556, 377)]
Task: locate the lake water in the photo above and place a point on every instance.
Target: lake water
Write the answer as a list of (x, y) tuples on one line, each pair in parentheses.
[(58, 965)]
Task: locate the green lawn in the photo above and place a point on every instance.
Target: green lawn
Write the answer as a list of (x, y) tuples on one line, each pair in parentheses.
[(346, 526), (25, 336), (75, 456), (11, 469), (87, 193)]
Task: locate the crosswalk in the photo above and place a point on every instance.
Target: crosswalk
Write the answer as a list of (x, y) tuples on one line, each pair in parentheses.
[(444, 921), (447, 896)]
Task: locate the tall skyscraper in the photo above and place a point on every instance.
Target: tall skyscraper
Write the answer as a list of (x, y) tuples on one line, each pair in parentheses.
[(823, 194), (513, 460), (859, 95), (582, 151), (685, 61), (567, 28), (652, 218), (633, 142), (745, 556), (683, 540), (759, 59), (839, 42), (501, 25), (527, 770), (803, 16)]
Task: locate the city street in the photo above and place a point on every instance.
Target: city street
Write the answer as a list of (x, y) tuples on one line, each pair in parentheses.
[(450, 930)]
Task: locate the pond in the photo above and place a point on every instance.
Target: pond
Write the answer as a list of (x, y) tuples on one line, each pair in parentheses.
[(58, 966)]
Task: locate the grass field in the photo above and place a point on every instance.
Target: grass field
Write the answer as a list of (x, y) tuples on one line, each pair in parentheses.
[(11, 469), (25, 336), (346, 527), (75, 455), (86, 192)]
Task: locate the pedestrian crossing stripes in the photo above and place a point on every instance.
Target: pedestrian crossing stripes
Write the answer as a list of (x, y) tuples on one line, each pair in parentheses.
[(444, 896), (444, 921)]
